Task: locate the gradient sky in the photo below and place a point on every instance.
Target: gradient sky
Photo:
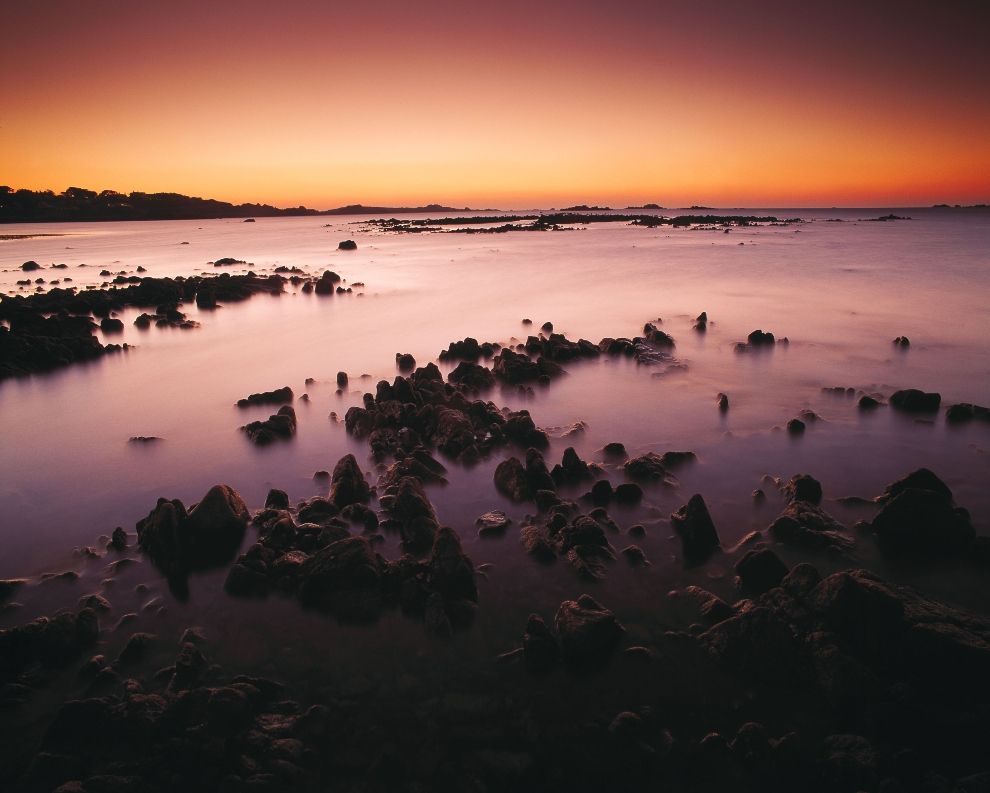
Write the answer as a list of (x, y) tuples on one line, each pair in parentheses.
[(502, 103)]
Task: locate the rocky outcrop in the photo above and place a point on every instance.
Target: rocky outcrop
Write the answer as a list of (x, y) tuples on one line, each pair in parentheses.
[(280, 426), (347, 484), (697, 530)]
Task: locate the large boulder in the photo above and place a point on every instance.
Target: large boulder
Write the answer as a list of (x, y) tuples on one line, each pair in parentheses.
[(347, 484), (588, 632), (911, 400)]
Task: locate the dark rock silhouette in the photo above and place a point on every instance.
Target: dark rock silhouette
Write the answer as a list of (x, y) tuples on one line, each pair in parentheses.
[(912, 400), (697, 531)]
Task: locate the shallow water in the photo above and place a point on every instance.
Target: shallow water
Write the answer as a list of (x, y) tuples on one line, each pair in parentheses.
[(839, 291)]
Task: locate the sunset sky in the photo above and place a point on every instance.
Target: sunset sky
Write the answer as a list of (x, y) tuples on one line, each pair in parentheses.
[(509, 104)]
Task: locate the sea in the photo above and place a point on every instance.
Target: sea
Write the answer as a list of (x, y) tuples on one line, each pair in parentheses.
[(839, 285)]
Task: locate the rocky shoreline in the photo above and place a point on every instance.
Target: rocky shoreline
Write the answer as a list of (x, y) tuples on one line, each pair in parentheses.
[(823, 681)]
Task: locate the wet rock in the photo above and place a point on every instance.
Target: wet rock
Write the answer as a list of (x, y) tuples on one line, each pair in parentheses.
[(635, 556), (756, 645), (571, 470), (805, 525), (522, 483), (492, 523), (435, 617), (282, 425), (325, 284), (136, 649), (110, 325), (759, 338), (540, 648), (656, 336), (347, 245), (801, 580), (902, 341), (849, 762), (912, 400), (209, 534), (647, 467), (722, 401), (277, 397), (9, 586), (30, 266), (701, 322), (803, 487), (277, 499), (516, 368), (348, 485), (468, 350), (472, 376), (118, 539), (244, 581), (342, 380), (760, 570), (413, 514), (696, 529), (795, 427), (919, 517), (47, 642), (344, 578), (588, 632), (405, 362), (627, 493), (614, 451), (964, 412), (451, 572)]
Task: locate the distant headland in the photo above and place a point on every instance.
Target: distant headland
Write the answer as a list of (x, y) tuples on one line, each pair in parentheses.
[(80, 204)]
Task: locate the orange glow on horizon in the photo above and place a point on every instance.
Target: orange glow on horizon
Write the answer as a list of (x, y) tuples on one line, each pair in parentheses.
[(617, 104)]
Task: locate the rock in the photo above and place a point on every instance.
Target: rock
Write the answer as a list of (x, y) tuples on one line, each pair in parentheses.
[(30, 266), (849, 762), (964, 412), (109, 325), (136, 649), (405, 362), (656, 336), (614, 451), (795, 427), (342, 380), (756, 644), (209, 534), (588, 632), (759, 338), (493, 522), (472, 376), (9, 586), (866, 402), (277, 499), (277, 397), (348, 485), (118, 539), (347, 245), (805, 525), (281, 425), (647, 467), (921, 521), (801, 580), (414, 514), (345, 578), (902, 341), (628, 493), (451, 572), (912, 400), (435, 617), (803, 487), (760, 570), (325, 283), (243, 581), (722, 401), (696, 529), (540, 648), (635, 556)]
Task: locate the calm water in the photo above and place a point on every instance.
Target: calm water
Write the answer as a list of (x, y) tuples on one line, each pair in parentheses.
[(840, 291)]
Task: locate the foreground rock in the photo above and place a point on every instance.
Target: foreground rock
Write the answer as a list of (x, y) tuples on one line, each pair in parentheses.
[(208, 534), (587, 632)]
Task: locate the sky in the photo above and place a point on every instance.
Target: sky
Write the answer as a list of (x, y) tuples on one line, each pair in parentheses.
[(501, 104)]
